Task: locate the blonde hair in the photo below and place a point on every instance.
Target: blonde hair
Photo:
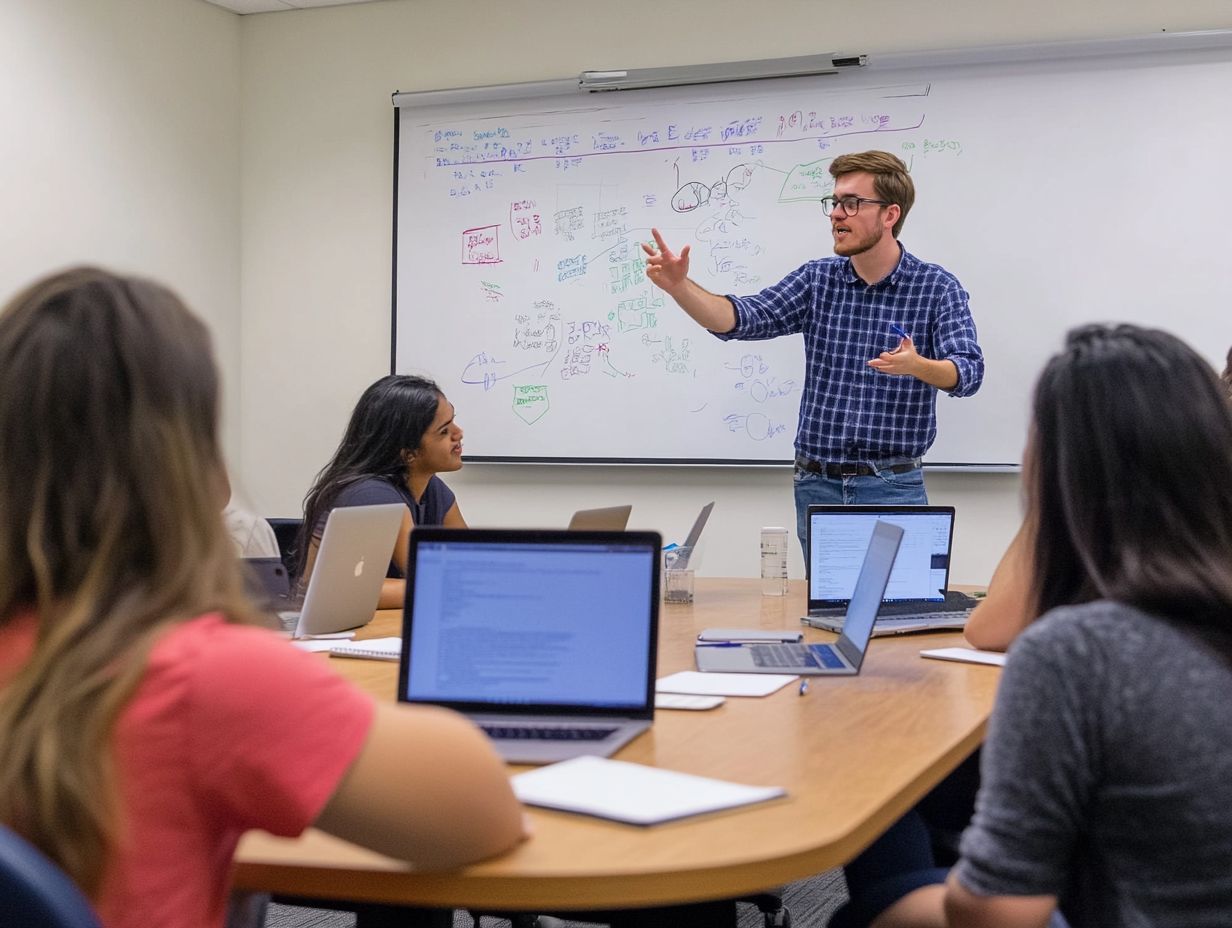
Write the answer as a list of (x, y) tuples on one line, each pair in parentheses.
[(110, 531), (891, 182)]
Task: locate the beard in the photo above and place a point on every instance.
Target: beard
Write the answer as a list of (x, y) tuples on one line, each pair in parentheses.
[(851, 244)]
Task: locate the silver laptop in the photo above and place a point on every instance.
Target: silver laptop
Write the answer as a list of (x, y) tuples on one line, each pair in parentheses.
[(918, 597), (689, 548), (608, 519), (845, 656), (546, 639), (350, 566)]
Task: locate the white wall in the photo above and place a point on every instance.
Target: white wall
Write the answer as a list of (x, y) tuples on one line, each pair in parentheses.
[(316, 217), (120, 147)]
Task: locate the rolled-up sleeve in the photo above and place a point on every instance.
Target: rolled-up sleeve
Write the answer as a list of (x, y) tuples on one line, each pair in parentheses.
[(956, 340), (777, 310)]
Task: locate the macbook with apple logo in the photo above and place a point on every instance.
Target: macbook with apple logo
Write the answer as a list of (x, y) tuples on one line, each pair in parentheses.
[(352, 559)]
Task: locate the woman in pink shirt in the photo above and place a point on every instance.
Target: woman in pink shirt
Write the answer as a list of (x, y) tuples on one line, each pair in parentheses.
[(147, 722)]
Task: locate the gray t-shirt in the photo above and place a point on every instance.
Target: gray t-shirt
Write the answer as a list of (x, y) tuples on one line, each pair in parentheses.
[(1107, 773), (429, 509)]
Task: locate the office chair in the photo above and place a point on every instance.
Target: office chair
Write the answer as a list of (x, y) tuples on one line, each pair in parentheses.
[(770, 904), (286, 531), (35, 893)]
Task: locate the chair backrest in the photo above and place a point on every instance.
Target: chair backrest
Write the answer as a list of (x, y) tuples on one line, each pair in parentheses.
[(35, 893), (287, 531)]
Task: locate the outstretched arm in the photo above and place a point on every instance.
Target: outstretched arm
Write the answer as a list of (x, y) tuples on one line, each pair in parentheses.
[(670, 272)]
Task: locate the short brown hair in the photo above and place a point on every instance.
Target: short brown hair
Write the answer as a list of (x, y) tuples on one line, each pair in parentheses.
[(891, 182)]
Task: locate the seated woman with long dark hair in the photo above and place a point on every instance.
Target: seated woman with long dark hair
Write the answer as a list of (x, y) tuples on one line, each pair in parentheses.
[(1106, 775), (146, 722), (401, 435), (999, 618)]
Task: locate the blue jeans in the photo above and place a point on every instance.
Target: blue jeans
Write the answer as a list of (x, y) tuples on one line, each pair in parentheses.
[(880, 489)]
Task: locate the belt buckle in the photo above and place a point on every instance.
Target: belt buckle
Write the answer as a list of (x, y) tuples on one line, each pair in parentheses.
[(848, 469)]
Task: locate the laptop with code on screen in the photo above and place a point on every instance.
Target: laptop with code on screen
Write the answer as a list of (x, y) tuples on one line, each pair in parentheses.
[(545, 639), (917, 598)]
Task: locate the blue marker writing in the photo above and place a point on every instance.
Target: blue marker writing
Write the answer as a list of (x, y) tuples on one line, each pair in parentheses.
[(898, 330)]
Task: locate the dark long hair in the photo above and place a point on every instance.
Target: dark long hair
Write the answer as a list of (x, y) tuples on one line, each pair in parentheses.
[(111, 484), (1130, 479), (389, 420)]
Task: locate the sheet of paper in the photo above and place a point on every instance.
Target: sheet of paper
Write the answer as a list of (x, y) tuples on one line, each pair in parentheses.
[(966, 656), (723, 684), (685, 701), (633, 793), (315, 644)]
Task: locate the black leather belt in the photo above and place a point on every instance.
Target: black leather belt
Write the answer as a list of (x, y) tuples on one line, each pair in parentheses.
[(848, 469)]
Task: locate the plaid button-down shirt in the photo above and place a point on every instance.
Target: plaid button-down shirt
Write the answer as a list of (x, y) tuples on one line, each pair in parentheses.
[(848, 410)]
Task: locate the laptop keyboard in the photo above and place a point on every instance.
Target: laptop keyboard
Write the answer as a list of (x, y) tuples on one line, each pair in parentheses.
[(953, 607), (546, 732), (794, 655), (933, 617)]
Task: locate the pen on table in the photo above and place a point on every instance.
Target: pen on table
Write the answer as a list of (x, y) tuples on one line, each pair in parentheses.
[(720, 644), (803, 687)]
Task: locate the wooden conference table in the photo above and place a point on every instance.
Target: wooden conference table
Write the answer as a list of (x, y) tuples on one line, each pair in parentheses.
[(854, 754)]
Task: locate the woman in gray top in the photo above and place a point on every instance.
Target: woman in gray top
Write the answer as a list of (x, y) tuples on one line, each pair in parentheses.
[(1106, 796), (1107, 772)]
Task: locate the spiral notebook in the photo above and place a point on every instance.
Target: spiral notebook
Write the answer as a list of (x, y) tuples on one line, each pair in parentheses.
[(373, 649)]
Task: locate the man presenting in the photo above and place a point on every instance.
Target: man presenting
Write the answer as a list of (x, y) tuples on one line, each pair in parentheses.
[(883, 332)]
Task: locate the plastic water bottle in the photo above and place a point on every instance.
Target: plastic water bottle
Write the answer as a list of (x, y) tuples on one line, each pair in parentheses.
[(773, 561)]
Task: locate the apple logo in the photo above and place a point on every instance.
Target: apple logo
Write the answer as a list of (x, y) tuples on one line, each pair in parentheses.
[(359, 567)]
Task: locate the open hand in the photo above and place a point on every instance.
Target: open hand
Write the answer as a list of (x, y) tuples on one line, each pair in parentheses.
[(902, 360), (666, 269)]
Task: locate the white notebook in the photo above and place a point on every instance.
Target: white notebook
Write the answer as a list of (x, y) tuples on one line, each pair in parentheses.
[(966, 656), (633, 793), (373, 649), (723, 684)]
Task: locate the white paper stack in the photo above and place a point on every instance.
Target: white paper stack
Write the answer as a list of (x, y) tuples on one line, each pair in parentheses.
[(633, 793)]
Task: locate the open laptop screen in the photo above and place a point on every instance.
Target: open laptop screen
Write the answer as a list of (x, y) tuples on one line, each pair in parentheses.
[(839, 537), (497, 620)]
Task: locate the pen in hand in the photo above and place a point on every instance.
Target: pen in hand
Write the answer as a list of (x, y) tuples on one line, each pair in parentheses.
[(899, 331)]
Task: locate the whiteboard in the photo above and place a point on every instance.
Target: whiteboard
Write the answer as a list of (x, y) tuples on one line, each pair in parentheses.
[(1058, 192)]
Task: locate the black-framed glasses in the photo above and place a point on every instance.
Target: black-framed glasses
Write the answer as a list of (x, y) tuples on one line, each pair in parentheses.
[(850, 204)]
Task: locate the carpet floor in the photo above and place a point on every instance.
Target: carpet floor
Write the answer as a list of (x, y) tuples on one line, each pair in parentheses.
[(810, 903)]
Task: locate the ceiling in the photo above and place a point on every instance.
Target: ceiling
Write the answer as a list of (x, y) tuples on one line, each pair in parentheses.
[(276, 6)]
